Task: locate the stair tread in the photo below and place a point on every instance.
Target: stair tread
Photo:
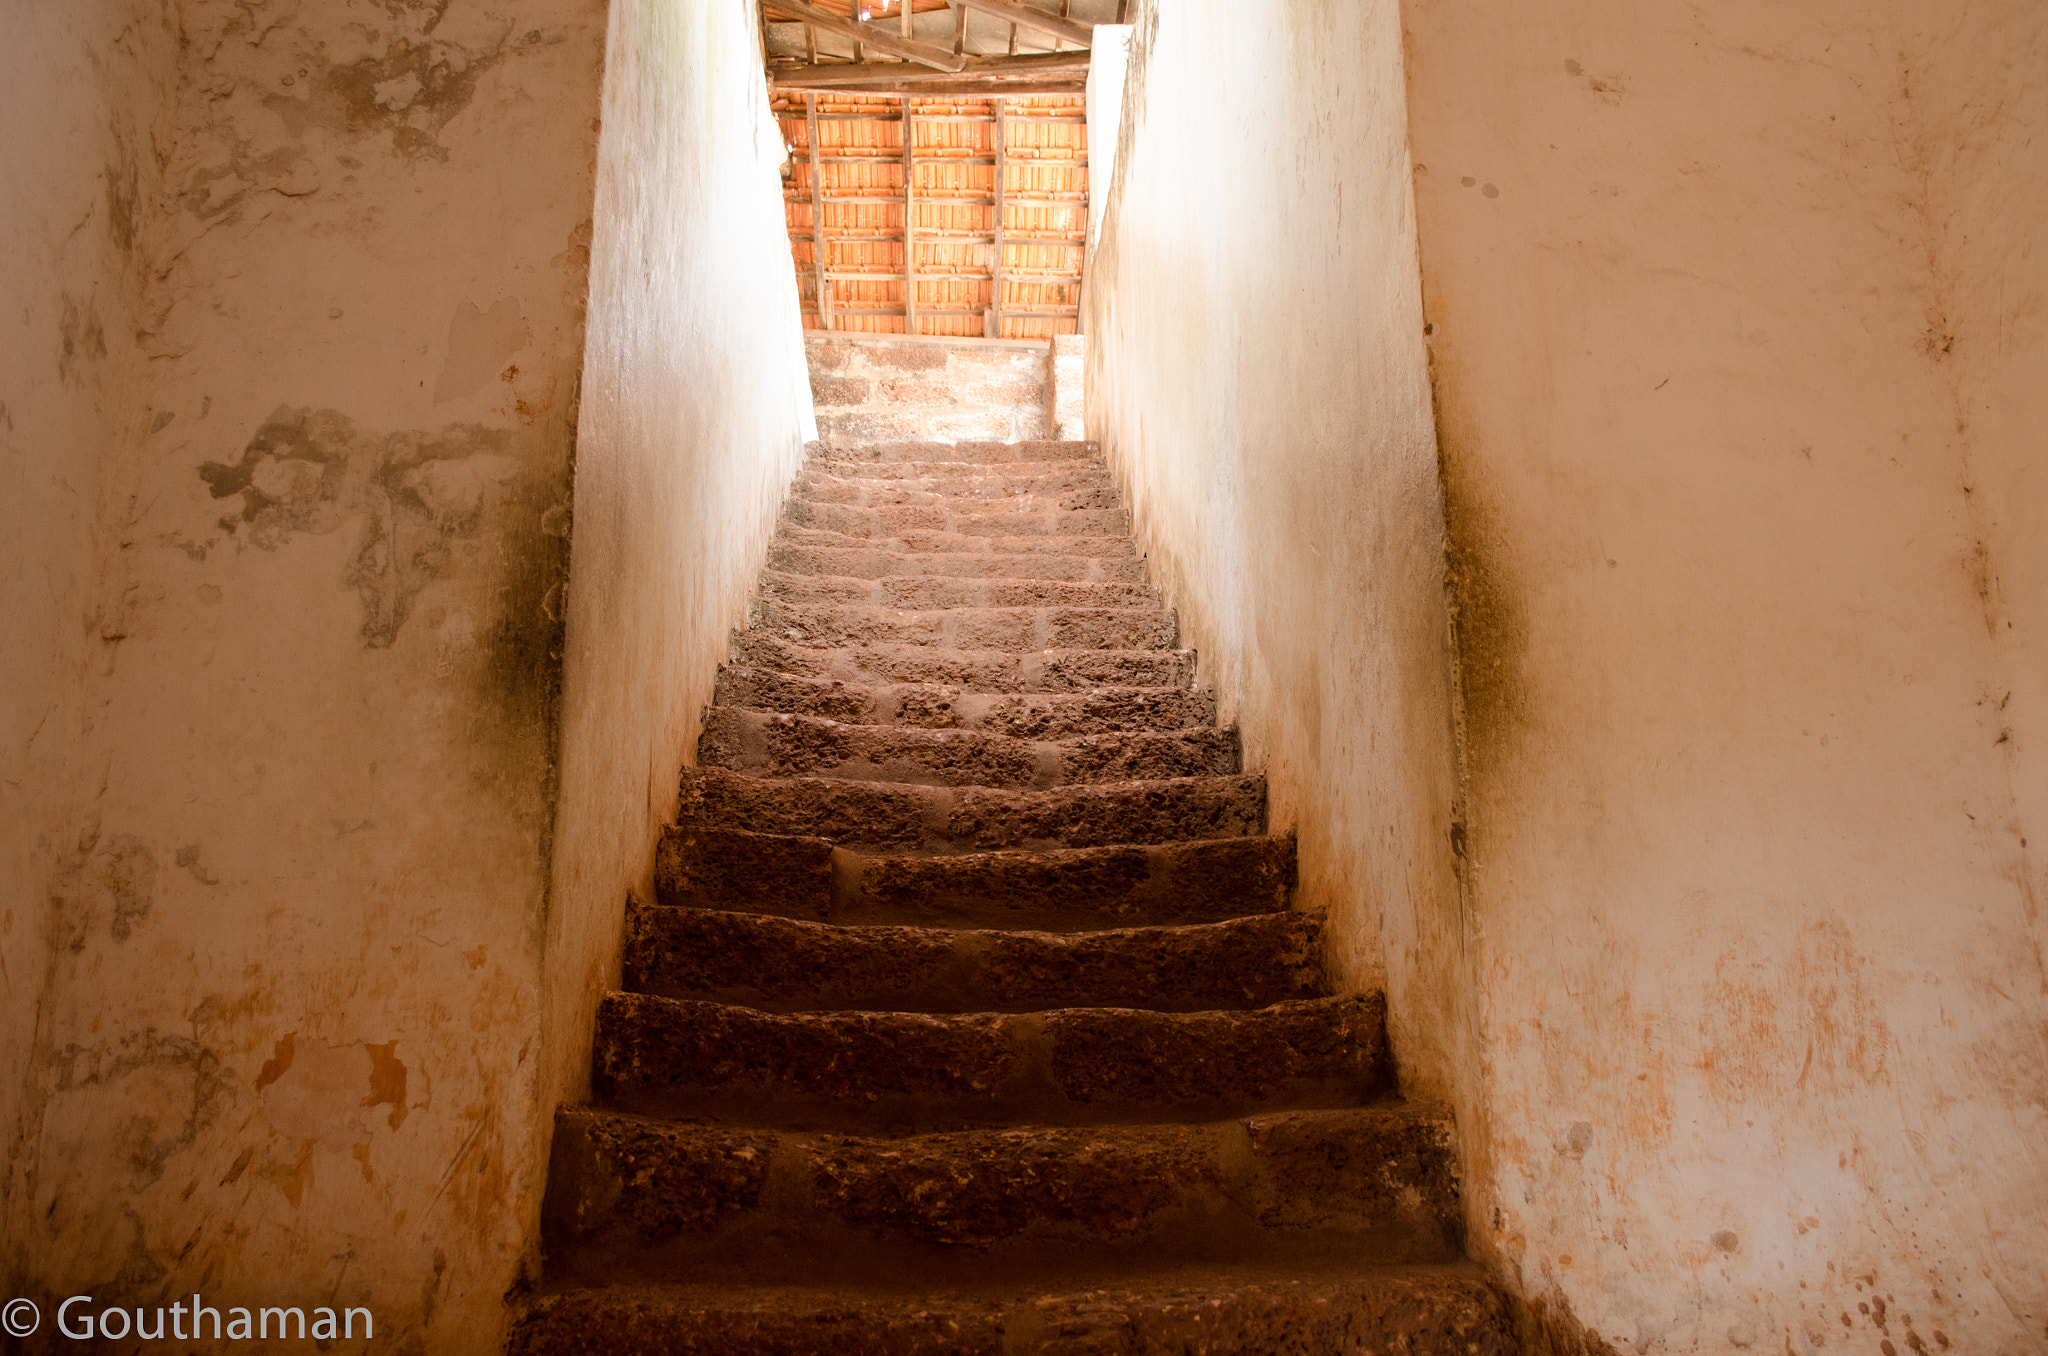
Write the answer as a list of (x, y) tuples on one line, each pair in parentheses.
[(943, 706), (1068, 889), (1336, 1309), (879, 1070), (778, 744), (982, 670), (1011, 629), (932, 591), (652, 1197), (923, 541), (867, 560), (970, 818), (776, 964)]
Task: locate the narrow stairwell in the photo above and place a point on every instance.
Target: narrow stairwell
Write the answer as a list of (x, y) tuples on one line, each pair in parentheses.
[(971, 1016)]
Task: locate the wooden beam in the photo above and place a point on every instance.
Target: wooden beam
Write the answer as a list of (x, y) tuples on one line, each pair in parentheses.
[(1034, 18), (868, 35), (909, 217), (826, 74), (818, 243), (977, 89), (999, 137), (1123, 11)]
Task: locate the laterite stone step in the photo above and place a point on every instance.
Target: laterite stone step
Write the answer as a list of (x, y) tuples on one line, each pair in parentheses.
[(975, 818), (936, 706), (1335, 1310), (932, 591), (708, 864), (632, 1197), (865, 561), (922, 541), (1014, 629), (964, 453), (899, 1071), (766, 744), (845, 483), (790, 965), (993, 671), (971, 518)]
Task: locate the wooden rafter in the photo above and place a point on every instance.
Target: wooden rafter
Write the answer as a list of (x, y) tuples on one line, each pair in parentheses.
[(909, 215), (869, 35), (1001, 136), (1039, 19), (818, 216), (827, 74)]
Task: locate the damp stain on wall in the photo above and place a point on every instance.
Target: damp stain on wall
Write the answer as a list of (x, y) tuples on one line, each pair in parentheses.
[(422, 505)]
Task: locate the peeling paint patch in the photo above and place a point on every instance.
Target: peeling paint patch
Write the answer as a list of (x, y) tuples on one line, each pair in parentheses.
[(479, 344), (387, 1081)]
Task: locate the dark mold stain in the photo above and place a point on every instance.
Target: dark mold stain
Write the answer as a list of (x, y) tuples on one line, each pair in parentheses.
[(125, 870), (81, 336), (150, 1144), (1488, 627), (410, 92), (123, 195), (449, 502)]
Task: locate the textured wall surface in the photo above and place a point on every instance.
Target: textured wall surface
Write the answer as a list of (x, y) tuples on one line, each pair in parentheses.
[(882, 389), (85, 80), (695, 412), (287, 1046), (1256, 377), (1738, 340)]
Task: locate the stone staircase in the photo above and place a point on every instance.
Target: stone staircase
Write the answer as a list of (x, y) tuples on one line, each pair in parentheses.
[(971, 1016)]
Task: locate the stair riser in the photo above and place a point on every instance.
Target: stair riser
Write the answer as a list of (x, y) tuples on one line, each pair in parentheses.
[(934, 707), (978, 819), (866, 562), (1015, 630), (768, 745), (899, 1071), (943, 591), (700, 866), (630, 1197), (972, 520), (1416, 1313), (1080, 470), (991, 671), (788, 965), (965, 453), (923, 542), (1084, 487)]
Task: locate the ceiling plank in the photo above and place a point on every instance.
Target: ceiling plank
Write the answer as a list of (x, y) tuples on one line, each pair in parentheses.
[(1039, 19), (824, 75), (973, 89), (869, 35)]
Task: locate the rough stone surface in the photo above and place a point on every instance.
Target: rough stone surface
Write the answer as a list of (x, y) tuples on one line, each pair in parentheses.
[(769, 744), (1069, 1065), (1414, 1311), (967, 818), (789, 965), (1070, 889), (929, 387), (650, 1196)]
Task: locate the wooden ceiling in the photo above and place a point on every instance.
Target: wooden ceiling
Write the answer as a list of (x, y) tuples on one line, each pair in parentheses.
[(938, 173), (987, 243)]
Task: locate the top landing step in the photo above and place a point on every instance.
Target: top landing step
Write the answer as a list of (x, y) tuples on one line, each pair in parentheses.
[(976, 453)]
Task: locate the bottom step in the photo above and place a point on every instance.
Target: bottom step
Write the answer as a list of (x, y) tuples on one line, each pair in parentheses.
[(1418, 1311)]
